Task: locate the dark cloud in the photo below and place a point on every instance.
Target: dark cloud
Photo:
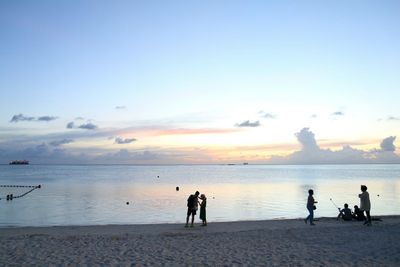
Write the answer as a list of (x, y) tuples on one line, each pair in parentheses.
[(21, 117), (46, 118), (387, 144), (88, 126), (269, 116), (392, 118), (121, 141), (248, 124), (311, 153), (61, 142), (70, 125), (120, 107), (307, 139), (337, 113)]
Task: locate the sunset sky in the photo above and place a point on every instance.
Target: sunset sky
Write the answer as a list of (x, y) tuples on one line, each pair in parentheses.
[(171, 82)]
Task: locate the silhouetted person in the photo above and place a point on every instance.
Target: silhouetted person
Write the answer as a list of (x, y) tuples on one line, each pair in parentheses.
[(192, 204), (203, 205), (358, 214), (365, 204), (345, 213), (310, 207)]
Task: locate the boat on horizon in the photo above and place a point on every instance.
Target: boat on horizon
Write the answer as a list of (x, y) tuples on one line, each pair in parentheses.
[(19, 162)]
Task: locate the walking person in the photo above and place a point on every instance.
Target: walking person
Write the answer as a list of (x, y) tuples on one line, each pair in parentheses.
[(310, 207), (192, 205), (203, 205), (365, 204)]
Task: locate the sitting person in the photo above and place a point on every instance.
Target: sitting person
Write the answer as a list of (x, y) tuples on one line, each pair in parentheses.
[(345, 213), (358, 214)]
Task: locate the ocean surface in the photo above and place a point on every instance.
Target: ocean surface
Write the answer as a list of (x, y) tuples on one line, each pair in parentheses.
[(98, 194)]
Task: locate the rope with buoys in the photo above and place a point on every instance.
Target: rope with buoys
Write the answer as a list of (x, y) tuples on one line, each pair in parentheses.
[(11, 196)]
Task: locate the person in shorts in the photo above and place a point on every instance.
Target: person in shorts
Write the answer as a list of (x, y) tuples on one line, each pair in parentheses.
[(192, 205)]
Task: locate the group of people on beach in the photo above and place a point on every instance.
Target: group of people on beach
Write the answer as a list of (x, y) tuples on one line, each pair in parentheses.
[(195, 200), (193, 203), (346, 214)]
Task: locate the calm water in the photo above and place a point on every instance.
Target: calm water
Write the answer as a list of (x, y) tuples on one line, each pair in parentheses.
[(84, 195)]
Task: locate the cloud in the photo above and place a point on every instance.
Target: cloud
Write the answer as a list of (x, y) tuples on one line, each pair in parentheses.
[(337, 113), (269, 116), (88, 126), (307, 139), (121, 141), (21, 117), (248, 124), (311, 153), (387, 144), (61, 142), (392, 118), (120, 107), (46, 118)]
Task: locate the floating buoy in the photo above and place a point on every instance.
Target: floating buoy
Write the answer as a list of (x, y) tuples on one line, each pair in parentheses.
[(177, 188)]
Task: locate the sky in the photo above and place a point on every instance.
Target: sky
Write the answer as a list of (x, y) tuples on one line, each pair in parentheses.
[(199, 82)]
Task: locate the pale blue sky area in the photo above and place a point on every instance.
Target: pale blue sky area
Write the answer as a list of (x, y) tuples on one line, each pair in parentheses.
[(170, 59)]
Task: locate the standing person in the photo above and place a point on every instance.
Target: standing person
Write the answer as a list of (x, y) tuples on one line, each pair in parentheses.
[(310, 207), (203, 205), (365, 204), (192, 204)]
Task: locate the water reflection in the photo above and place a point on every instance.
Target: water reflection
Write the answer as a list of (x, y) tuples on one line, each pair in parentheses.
[(81, 195)]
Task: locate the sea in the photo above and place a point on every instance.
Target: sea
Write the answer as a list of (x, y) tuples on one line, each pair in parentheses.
[(131, 194)]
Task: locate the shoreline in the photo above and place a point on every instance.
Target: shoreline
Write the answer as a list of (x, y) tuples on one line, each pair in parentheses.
[(255, 243), (248, 223)]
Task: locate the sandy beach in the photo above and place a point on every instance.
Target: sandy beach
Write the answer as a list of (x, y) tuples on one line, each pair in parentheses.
[(251, 243)]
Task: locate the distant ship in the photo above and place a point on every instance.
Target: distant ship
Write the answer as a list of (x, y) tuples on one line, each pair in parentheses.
[(19, 162)]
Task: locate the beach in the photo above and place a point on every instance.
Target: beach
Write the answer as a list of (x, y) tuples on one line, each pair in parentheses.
[(252, 243)]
